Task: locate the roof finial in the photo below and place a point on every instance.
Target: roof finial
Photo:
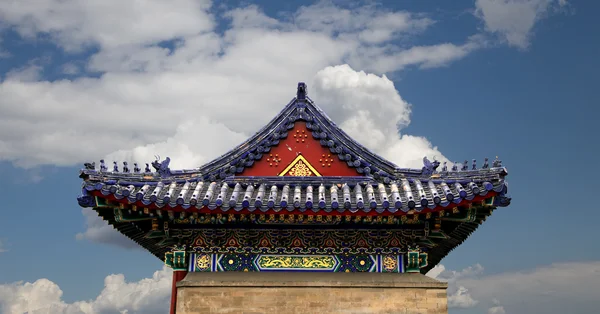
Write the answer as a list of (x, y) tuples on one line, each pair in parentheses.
[(485, 163), (429, 167), (162, 167), (497, 163), (301, 93)]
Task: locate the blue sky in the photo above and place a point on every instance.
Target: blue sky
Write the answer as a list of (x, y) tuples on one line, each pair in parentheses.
[(513, 78)]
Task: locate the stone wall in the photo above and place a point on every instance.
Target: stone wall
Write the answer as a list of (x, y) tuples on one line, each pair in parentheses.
[(270, 292)]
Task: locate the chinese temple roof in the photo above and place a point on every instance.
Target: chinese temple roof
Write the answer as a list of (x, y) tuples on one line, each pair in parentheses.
[(300, 163), (270, 195)]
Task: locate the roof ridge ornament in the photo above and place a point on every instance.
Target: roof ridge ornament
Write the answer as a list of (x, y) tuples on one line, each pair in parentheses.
[(497, 163), (162, 167), (429, 167), (301, 92)]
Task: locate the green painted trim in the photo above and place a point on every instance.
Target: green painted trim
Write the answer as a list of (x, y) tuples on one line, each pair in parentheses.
[(154, 234), (438, 234), (468, 215), (177, 260), (415, 260), (101, 202)]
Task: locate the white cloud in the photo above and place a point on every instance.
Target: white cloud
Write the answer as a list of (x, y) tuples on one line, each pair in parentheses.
[(98, 230), (147, 296), (108, 23), (70, 69), (366, 23), (553, 289), (370, 109), (29, 73), (461, 299), (250, 17), (2, 247), (206, 91), (496, 310), (193, 100), (148, 92), (513, 20), (557, 288), (458, 295)]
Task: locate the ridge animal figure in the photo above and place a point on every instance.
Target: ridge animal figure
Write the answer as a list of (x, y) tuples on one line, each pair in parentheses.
[(455, 166), (497, 163), (162, 167), (485, 164), (429, 167)]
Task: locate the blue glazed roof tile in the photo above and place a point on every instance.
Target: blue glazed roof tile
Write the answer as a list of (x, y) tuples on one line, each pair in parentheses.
[(267, 193)]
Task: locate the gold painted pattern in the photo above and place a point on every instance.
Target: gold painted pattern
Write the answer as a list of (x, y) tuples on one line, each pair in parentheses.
[(304, 262), (202, 262), (300, 170), (389, 263), (300, 167)]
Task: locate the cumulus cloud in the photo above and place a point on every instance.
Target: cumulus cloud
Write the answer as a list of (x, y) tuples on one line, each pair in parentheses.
[(165, 80), (370, 109), (514, 20), (557, 288), (458, 295), (28, 73), (147, 296), (168, 69), (553, 289), (199, 95)]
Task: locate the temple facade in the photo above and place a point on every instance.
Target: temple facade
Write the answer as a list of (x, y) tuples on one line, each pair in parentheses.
[(298, 208)]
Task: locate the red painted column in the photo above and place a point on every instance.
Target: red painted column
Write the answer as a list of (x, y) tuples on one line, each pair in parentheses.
[(178, 275)]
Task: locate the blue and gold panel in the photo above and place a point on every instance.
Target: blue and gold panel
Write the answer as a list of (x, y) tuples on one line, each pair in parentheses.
[(274, 262), (215, 262), (357, 263), (391, 263)]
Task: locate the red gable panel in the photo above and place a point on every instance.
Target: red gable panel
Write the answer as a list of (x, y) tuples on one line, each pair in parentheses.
[(284, 159)]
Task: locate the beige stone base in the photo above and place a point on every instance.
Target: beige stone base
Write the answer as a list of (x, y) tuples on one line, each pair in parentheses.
[(271, 292)]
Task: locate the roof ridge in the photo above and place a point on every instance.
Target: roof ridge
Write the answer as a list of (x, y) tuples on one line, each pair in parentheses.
[(324, 129)]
